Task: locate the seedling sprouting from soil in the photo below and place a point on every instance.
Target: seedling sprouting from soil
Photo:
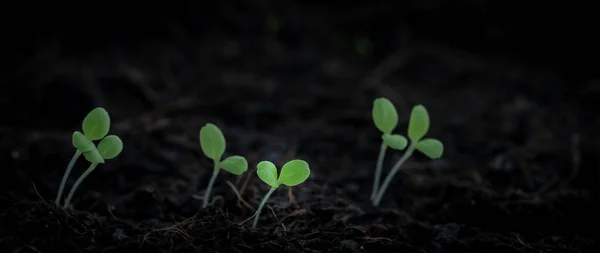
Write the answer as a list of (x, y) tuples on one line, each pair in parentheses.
[(213, 145), (385, 118), (418, 126), (95, 127), (293, 173)]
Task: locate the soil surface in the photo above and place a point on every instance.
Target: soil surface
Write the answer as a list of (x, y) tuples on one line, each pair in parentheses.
[(520, 171)]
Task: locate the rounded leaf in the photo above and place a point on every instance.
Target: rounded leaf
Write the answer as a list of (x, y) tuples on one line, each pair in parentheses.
[(82, 143), (96, 124), (212, 141), (385, 115), (395, 141), (418, 124), (110, 147), (236, 165), (294, 173), (267, 172), (432, 148), (93, 156)]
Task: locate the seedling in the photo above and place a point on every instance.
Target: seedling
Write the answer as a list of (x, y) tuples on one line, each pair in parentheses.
[(386, 119), (95, 127), (293, 173), (213, 145)]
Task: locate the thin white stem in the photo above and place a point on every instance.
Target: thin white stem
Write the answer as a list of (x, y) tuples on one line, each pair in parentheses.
[(393, 172), (61, 188), (262, 204), (378, 169), (78, 182), (210, 184)]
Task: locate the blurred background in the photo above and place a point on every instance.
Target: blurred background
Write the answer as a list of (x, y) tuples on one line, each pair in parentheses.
[(551, 36)]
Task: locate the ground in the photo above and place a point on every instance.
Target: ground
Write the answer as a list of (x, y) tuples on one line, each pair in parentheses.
[(518, 174)]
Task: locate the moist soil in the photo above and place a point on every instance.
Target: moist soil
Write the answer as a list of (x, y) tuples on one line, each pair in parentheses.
[(519, 171)]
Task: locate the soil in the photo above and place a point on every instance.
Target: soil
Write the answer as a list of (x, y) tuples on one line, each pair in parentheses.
[(519, 171)]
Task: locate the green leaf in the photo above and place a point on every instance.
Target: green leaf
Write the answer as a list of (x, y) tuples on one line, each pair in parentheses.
[(110, 147), (236, 165), (96, 124), (267, 172), (82, 143), (294, 173), (418, 124), (385, 115), (212, 141), (431, 147), (93, 156), (395, 141)]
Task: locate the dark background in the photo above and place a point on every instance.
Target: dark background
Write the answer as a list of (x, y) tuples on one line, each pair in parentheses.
[(549, 36), (512, 89), (555, 35)]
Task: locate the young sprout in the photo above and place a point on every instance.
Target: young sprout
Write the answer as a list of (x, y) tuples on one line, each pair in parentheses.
[(385, 118), (418, 126), (293, 173), (95, 126), (213, 145), (108, 148)]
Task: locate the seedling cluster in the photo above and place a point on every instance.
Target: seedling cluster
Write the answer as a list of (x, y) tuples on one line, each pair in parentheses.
[(96, 126), (385, 117)]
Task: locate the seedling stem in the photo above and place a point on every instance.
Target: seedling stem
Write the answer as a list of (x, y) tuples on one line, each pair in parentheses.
[(262, 204), (378, 170), (66, 176), (210, 184), (78, 182), (409, 151)]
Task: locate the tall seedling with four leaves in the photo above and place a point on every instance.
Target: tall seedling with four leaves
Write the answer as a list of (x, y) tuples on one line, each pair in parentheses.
[(213, 145), (293, 173), (95, 127), (386, 118)]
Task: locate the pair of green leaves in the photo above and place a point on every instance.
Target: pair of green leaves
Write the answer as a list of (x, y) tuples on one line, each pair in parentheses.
[(385, 117), (213, 145), (293, 173), (95, 127)]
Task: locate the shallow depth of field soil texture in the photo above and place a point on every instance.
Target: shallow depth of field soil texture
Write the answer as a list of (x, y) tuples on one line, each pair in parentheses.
[(516, 110)]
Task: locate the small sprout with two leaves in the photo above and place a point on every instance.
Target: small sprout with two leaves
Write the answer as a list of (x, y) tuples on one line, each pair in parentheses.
[(385, 117), (292, 173), (213, 145), (95, 127)]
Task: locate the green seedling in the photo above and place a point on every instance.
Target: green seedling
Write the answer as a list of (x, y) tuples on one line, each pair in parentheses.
[(293, 173), (213, 145), (95, 127), (386, 118)]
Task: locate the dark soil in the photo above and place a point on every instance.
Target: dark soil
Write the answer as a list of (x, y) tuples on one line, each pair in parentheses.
[(520, 171)]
